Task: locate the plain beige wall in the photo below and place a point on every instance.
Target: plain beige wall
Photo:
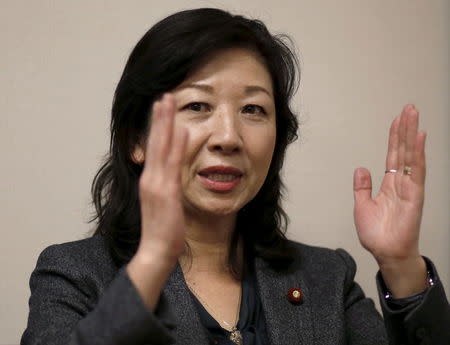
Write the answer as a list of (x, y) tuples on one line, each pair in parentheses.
[(361, 62)]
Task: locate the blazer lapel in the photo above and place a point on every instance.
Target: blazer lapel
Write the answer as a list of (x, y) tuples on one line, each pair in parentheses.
[(287, 323), (189, 329)]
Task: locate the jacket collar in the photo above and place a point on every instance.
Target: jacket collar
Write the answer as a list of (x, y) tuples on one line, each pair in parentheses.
[(189, 329), (286, 323)]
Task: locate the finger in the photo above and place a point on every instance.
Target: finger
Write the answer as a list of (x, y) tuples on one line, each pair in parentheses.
[(419, 166), (402, 138), (392, 155), (160, 135), (412, 120), (175, 159), (362, 186), (151, 149), (167, 127)]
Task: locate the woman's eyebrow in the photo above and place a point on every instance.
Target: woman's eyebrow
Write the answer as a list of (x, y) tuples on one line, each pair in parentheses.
[(249, 90), (202, 87)]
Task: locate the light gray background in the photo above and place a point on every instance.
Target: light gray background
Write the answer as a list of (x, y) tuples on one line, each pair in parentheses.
[(362, 60)]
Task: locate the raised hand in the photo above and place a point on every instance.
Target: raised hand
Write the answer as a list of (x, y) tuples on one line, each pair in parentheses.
[(162, 217), (388, 225)]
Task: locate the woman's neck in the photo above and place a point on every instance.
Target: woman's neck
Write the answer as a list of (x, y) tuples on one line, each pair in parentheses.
[(209, 243)]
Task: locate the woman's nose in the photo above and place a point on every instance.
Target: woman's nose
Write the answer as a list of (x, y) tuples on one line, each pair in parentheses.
[(225, 134)]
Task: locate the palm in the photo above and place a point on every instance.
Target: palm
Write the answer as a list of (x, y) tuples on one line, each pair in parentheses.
[(388, 225)]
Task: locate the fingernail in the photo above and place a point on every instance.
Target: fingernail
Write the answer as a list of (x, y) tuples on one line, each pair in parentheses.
[(412, 107)]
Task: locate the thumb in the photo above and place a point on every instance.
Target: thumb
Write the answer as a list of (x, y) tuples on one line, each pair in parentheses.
[(362, 186)]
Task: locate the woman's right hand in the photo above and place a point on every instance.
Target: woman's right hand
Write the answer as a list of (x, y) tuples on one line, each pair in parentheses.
[(162, 218)]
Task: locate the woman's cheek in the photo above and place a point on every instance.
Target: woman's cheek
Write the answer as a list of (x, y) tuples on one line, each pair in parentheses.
[(263, 146)]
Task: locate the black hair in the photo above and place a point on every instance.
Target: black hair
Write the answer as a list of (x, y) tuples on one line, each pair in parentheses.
[(160, 61)]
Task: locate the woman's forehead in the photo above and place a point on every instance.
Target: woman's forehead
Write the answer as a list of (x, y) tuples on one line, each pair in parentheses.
[(238, 67)]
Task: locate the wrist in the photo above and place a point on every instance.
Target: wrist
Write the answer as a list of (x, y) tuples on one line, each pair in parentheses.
[(149, 270), (156, 255), (399, 264), (405, 277)]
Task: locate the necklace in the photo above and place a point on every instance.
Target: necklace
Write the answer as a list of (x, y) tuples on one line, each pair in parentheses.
[(235, 335)]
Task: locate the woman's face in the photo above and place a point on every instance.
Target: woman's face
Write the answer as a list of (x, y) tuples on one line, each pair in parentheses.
[(228, 107)]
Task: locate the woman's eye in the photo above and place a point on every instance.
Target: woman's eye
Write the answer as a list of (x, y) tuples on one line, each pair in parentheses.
[(197, 107), (254, 109)]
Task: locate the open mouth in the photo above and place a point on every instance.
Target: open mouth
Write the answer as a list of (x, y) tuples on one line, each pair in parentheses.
[(220, 178)]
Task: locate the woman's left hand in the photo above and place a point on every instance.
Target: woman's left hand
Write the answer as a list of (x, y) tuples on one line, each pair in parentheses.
[(388, 225)]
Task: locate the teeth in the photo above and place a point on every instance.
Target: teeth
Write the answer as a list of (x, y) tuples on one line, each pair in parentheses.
[(221, 177)]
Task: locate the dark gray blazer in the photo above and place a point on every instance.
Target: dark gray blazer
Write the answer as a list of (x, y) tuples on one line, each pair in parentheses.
[(79, 297)]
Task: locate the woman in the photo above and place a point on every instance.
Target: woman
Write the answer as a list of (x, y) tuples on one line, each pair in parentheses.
[(190, 245)]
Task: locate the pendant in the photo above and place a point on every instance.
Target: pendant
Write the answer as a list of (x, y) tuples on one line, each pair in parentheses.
[(236, 336)]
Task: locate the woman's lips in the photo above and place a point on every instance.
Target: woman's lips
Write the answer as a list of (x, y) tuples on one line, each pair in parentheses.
[(219, 186), (220, 178)]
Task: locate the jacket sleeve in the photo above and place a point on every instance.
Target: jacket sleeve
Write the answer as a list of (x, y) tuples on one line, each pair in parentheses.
[(425, 321), (67, 307)]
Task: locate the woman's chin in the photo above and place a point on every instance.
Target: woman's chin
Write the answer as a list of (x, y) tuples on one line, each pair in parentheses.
[(214, 209)]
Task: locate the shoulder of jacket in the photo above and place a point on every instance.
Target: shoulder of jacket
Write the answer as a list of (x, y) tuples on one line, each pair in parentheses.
[(81, 258), (88, 246), (321, 258)]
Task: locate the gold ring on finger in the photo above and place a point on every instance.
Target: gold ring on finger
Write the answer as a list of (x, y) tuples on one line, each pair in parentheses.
[(407, 170)]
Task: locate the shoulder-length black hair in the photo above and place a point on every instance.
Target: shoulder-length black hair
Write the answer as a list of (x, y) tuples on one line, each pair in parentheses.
[(161, 60)]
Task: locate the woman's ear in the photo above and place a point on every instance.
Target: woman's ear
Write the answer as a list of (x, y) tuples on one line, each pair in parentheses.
[(138, 155)]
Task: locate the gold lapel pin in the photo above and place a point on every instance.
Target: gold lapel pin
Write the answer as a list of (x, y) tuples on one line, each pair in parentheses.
[(295, 295)]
